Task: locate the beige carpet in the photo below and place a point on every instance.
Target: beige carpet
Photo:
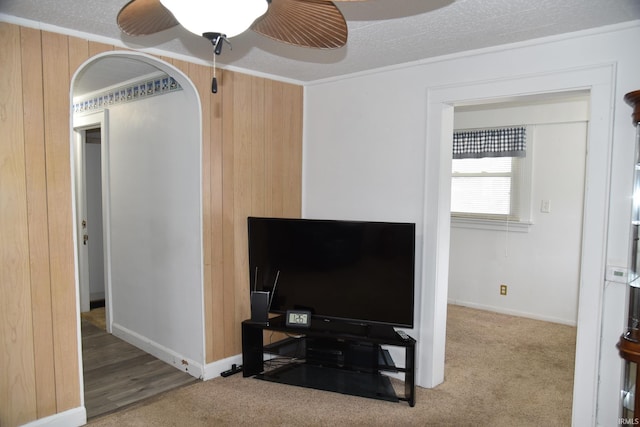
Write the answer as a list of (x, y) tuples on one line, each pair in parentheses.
[(500, 371)]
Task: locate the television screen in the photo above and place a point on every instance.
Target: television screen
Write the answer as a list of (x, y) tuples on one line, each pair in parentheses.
[(356, 271)]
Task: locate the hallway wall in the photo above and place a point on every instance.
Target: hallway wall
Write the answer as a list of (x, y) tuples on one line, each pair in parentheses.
[(155, 227)]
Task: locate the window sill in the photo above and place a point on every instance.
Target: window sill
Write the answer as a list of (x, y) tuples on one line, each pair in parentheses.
[(491, 224)]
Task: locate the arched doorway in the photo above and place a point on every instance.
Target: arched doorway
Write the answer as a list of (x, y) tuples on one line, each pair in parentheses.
[(148, 118)]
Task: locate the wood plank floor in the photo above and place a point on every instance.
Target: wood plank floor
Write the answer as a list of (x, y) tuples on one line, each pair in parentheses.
[(117, 374)]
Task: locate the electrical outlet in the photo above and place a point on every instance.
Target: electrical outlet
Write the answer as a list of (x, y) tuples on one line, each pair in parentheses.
[(503, 289)]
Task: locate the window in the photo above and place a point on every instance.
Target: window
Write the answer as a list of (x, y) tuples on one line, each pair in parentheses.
[(488, 191), (484, 187)]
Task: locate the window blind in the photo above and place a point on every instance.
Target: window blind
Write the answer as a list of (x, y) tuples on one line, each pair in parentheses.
[(486, 188)]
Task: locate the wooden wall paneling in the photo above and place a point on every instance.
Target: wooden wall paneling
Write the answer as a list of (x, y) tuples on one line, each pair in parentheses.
[(258, 119), (217, 217), (277, 149), (17, 382), (242, 127), (37, 216), (257, 141), (267, 143), (180, 65), (293, 160), (96, 48), (55, 60), (228, 217), (78, 54)]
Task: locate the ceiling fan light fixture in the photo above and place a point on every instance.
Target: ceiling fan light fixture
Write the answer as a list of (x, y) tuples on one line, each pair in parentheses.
[(228, 17)]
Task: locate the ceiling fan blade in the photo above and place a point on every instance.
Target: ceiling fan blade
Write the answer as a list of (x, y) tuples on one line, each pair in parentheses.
[(308, 23), (143, 17)]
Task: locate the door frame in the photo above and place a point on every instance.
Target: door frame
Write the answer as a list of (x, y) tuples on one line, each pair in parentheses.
[(600, 82), (81, 124)]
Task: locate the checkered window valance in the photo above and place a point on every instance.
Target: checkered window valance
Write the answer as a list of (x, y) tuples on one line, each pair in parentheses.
[(503, 142)]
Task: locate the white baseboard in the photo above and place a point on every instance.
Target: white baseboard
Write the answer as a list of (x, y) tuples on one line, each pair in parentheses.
[(72, 418), (212, 370), (179, 361), (513, 312)]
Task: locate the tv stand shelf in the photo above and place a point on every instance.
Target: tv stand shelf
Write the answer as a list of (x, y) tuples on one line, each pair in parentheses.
[(331, 356)]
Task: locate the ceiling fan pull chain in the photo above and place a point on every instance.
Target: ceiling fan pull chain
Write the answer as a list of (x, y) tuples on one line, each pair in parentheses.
[(214, 82), (216, 40)]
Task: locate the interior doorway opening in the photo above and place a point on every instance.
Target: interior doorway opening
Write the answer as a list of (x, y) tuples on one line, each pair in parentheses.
[(136, 160), (93, 193), (524, 263), (93, 265), (596, 80)]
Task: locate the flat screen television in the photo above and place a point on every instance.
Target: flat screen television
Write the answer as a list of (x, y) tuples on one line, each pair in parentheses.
[(357, 272)]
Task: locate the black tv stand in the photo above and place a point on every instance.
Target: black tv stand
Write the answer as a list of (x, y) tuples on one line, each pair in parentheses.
[(342, 328), (344, 358)]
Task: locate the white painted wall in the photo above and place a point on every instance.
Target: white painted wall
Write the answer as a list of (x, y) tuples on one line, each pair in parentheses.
[(541, 267), (156, 237), (364, 157)]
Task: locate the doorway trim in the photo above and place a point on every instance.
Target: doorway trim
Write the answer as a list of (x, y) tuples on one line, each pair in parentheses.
[(599, 80), (82, 123)]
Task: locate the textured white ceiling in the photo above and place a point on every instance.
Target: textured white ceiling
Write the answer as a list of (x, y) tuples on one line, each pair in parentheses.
[(381, 32)]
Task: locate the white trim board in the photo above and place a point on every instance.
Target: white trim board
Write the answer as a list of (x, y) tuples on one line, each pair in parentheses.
[(72, 417), (179, 361), (517, 313), (212, 370)]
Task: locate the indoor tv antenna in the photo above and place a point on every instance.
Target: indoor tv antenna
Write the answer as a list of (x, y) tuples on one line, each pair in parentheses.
[(273, 291)]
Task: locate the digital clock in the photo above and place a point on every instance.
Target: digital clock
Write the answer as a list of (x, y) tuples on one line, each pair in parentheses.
[(298, 318)]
